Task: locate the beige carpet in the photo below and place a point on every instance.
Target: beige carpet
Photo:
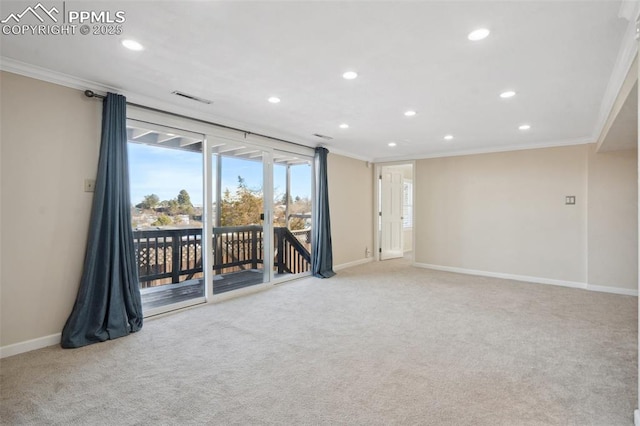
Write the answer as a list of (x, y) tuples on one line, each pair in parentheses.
[(378, 344)]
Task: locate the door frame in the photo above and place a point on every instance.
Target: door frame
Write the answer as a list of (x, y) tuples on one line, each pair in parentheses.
[(376, 206), (205, 244), (391, 218), (279, 280), (267, 196)]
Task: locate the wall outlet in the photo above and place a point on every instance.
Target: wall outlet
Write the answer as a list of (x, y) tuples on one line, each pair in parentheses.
[(570, 199), (89, 185), (367, 252)]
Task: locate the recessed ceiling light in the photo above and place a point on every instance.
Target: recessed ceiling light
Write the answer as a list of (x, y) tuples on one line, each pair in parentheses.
[(448, 137), (274, 100), (344, 126), (524, 127), (392, 144), (479, 34), (132, 45), (507, 94), (350, 75), (410, 113)]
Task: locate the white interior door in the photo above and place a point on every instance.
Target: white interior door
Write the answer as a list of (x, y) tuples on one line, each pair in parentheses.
[(391, 190)]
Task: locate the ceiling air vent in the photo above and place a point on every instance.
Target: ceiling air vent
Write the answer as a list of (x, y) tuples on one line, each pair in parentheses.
[(318, 135), (193, 98)]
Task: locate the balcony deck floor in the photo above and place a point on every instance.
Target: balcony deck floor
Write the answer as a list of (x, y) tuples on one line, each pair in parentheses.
[(168, 294)]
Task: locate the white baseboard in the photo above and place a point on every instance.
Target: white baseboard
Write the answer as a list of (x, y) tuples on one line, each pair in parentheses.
[(526, 278), (614, 290), (30, 345), (351, 264), (636, 417)]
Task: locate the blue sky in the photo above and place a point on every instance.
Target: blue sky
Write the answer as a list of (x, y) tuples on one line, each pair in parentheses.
[(162, 171)]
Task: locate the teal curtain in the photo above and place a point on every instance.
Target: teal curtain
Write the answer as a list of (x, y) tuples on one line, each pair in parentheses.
[(322, 253), (108, 304)]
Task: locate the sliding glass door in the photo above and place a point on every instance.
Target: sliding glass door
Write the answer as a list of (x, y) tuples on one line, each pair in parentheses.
[(292, 210), (214, 212), (262, 215), (238, 205), (166, 175)]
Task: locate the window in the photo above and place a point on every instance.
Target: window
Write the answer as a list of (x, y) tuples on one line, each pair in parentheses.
[(407, 204), (166, 190)]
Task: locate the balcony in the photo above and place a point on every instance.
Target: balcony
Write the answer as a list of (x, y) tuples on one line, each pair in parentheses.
[(170, 260)]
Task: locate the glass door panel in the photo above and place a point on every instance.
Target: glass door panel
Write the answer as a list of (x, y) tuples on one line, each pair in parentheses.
[(238, 205), (292, 185), (166, 175)]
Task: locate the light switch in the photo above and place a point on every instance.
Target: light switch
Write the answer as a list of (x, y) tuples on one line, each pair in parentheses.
[(570, 199), (89, 185)]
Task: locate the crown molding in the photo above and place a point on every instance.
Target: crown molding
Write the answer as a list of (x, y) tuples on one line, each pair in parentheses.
[(629, 10), (619, 104), (491, 150), (32, 71), (44, 74), (344, 153), (626, 55)]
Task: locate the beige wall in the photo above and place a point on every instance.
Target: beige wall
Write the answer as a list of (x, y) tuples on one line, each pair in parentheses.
[(407, 239), (613, 218), (351, 206), (50, 139), (505, 213)]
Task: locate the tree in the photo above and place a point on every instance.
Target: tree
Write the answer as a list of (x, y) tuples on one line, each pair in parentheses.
[(243, 208), (149, 202), (162, 220), (173, 208), (184, 203), (301, 206), (179, 205), (241, 183), (283, 199), (184, 199)]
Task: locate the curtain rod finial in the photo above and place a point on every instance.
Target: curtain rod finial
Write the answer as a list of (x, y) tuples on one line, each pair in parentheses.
[(92, 94)]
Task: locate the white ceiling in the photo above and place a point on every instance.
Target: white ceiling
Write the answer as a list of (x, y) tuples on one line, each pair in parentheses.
[(563, 59)]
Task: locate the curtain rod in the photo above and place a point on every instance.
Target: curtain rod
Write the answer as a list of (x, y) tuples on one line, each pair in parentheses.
[(92, 94)]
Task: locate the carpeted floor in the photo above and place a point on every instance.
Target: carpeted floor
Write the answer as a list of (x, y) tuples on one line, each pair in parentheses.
[(382, 343)]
